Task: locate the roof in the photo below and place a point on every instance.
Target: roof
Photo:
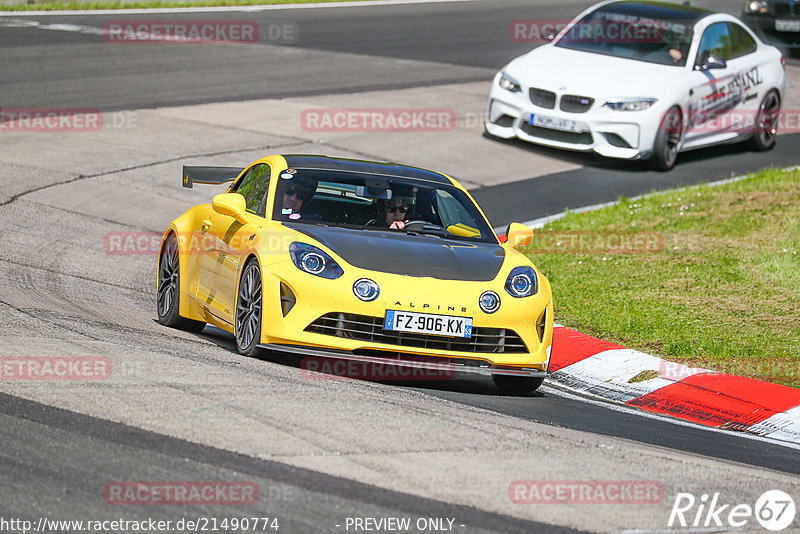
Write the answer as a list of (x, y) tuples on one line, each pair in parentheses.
[(304, 161), (657, 10)]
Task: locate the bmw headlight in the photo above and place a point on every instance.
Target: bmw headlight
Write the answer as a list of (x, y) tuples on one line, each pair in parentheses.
[(522, 282), (629, 104), (366, 290), (312, 260), (755, 6), (508, 83), (489, 302)]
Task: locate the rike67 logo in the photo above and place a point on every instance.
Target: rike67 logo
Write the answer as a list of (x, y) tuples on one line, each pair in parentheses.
[(774, 510)]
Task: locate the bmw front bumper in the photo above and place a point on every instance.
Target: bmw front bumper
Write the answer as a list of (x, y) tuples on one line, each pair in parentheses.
[(615, 134)]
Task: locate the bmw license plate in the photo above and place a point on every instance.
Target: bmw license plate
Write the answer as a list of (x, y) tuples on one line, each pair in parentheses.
[(428, 323), (553, 123), (787, 25)]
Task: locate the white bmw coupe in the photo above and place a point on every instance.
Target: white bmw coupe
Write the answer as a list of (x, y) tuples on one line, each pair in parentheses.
[(637, 79)]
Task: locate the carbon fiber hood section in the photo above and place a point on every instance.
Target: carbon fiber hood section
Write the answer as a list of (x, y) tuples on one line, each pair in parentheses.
[(398, 253)]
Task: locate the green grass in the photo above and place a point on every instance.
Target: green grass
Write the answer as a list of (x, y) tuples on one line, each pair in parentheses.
[(44, 5), (722, 293)]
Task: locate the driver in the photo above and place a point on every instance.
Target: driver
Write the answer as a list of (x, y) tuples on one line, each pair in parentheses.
[(296, 196), (398, 212)]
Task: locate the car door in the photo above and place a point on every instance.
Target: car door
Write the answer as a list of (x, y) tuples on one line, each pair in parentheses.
[(749, 76), (725, 71), (224, 241)]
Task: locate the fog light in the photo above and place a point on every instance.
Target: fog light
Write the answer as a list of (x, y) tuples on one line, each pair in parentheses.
[(366, 290), (489, 302)]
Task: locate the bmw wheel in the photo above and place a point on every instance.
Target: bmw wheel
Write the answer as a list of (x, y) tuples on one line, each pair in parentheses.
[(169, 289), (517, 385), (665, 148), (248, 310), (766, 125)]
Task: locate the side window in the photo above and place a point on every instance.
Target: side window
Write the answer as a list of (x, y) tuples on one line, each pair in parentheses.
[(253, 187), (716, 42), (742, 42)]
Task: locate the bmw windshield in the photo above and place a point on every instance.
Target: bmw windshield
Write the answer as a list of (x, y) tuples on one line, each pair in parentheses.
[(642, 31)]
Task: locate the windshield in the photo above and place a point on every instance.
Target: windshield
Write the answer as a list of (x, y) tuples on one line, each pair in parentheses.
[(633, 31), (377, 202)]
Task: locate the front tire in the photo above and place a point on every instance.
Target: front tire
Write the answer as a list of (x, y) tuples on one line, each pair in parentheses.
[(168, 295), (665, 147), (248, 310), (766, 124), (517, 385)]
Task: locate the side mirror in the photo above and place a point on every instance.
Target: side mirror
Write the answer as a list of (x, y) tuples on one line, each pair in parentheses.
[(714, 62), (231, 204), (518, 234), (549, 34)]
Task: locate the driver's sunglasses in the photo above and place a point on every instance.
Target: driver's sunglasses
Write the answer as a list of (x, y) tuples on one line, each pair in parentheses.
[(396, 209)]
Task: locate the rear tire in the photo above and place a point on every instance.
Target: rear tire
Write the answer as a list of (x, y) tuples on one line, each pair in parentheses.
[(766, 124), (665, 147), (517, 385), (169, 289), (248, 310)]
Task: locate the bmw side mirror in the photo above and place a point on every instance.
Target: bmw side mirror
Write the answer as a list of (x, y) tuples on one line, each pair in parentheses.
[(518, 235), (714, 62), (231, 204)]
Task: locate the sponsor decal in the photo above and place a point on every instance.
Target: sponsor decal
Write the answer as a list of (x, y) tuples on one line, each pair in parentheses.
[(723, 96)]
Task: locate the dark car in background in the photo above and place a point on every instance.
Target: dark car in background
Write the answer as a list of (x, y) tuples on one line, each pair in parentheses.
[(776, 22)]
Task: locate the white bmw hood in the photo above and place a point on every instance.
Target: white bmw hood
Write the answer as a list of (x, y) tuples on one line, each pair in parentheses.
[(594, 75)]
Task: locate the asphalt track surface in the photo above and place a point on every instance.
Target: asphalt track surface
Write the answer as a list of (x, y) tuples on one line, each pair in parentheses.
[(50, 68), (89, 452), (74, 454)]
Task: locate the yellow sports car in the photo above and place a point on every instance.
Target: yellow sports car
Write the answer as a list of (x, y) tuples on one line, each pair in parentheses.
[(355, 260)]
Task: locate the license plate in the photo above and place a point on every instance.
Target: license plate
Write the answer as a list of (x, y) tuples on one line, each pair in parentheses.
[(784, 25), (553, 123), (427, 323)]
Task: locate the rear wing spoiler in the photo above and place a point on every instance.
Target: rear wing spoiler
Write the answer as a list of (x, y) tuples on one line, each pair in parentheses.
[(209, 175)]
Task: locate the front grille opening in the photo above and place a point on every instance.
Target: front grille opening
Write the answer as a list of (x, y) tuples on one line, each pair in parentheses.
[(288, 300), (581, 138), (575, 103), (542, 98), (366, 328), (615, 140), (504, 120)]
